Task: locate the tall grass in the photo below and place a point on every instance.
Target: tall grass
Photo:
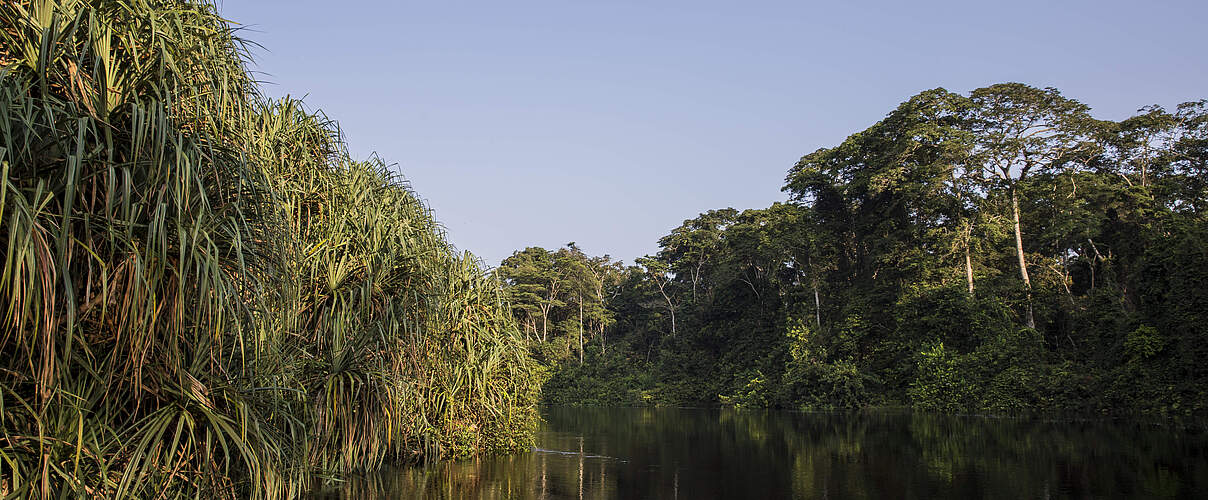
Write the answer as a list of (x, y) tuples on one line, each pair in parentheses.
[(202, 293)]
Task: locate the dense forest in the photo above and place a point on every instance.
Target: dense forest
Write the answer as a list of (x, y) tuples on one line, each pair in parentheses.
[(203, 295), (999, 251)]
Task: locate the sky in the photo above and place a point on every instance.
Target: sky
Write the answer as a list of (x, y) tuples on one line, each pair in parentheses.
[(609, 123)]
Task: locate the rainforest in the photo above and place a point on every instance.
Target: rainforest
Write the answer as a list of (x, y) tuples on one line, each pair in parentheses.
[(997, 251), (205, 295)]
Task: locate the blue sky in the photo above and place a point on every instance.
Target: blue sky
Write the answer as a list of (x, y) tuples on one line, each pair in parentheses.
[(609, 123)]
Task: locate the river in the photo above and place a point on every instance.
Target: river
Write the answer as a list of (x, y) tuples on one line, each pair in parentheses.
[(667, 453)]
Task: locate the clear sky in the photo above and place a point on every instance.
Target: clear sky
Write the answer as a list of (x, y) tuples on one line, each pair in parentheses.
[(608, 123)]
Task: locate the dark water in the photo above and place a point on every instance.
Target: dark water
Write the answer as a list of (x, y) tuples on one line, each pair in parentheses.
[(704, 454)]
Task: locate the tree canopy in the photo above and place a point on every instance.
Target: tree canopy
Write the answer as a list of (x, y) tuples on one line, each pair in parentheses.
[(1000, 250)]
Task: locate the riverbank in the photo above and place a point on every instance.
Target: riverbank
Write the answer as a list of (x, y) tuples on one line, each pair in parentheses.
[(205, 294)]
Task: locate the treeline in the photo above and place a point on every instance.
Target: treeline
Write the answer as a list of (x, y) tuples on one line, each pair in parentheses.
[(203, 295), (997, 251)]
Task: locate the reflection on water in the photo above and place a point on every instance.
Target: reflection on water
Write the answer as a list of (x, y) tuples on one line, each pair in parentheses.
[(702, 454)]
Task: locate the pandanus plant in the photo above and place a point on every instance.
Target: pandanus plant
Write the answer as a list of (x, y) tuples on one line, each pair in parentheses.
[(202, 293)]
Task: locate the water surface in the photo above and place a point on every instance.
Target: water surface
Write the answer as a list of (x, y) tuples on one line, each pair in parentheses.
[(733, 454)]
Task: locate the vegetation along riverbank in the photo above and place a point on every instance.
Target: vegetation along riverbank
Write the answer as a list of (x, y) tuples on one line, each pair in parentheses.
[(203, 294), (996, 251)]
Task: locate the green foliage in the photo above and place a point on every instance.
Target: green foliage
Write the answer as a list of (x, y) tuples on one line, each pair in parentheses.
[(755, 394), (1142, 343), (939, 384), (813, 381), (1001, 375), (835, 384), (204, 295), (560, 298), (604, 380), (1000, 251)]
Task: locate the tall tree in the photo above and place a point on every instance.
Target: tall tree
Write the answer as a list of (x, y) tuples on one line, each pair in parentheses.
[(1021, 130), (693, 246), (536, 284), (658, 272)]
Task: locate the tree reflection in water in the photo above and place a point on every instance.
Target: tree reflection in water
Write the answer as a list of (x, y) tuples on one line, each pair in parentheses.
[(703, 454)]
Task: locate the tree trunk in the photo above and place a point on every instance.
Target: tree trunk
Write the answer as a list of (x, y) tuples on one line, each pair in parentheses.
[(544, 324), (580, 330), (1023, 263), (968, 261), (817, 307), (1094, 261), (671, 308), (809, 264), (696, 278)]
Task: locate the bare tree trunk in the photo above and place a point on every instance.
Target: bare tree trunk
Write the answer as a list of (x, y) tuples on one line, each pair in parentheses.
[(580, 330), (671, 307), (545, 323), (809, 264), (817, 307), (1023, 263), (1098, 257), (968, 261), (696, 277)]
